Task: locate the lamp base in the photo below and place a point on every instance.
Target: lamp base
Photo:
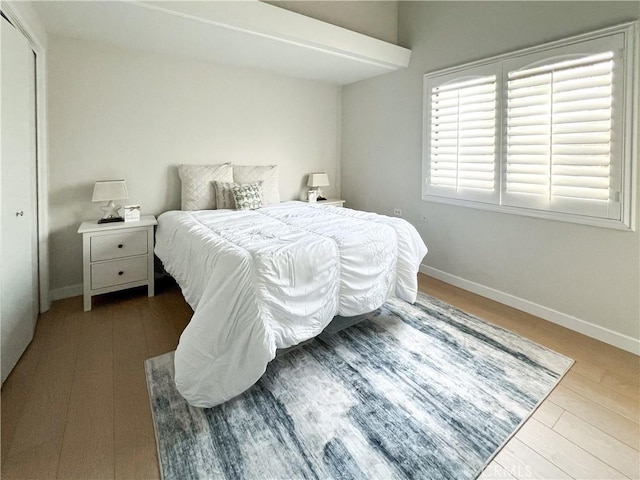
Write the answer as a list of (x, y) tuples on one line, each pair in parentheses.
[(111, 220), (111, 213)]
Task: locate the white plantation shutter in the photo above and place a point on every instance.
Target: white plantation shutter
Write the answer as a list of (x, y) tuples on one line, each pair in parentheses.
[(547, 131), (462, 137), (463, 134), (558, 135)]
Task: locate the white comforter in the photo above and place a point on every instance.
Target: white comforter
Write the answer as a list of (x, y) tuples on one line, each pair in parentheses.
[(272, 278)]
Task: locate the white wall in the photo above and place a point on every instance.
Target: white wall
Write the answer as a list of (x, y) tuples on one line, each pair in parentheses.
[(116, 113), (29, 19), (377, 19), (589, 273)]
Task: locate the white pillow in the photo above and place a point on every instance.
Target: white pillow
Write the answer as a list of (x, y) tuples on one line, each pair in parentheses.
[(197, 184), (268, 174)]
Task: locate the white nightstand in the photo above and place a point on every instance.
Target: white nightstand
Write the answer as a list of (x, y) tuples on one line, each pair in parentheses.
[(117, 256), (336, 202)]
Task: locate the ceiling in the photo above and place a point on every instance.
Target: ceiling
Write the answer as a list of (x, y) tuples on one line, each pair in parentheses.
[(244, 33)]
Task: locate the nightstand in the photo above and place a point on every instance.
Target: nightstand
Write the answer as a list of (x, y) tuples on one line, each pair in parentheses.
[(336, 202), (117, 256)]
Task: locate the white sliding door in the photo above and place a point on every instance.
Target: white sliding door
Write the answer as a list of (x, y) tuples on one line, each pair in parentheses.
[(19, 272)]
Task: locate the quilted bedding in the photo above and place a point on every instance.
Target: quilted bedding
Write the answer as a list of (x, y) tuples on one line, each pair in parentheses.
[(271, 278)]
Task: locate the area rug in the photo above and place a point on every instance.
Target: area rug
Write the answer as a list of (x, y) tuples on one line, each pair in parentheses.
[(414, 391)]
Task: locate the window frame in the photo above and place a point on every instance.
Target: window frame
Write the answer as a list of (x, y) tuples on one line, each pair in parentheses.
[(627, 104)]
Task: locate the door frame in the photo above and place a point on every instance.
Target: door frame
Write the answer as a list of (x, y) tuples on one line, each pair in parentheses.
[(25, 19)]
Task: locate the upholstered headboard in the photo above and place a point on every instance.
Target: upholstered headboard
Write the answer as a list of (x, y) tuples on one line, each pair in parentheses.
[(198, 191)]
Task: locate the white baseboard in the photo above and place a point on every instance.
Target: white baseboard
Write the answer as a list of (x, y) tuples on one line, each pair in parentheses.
[(67, 292), (603, 334)]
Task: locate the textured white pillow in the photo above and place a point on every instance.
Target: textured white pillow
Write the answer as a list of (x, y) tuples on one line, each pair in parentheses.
[(197, 184), (268, 174)]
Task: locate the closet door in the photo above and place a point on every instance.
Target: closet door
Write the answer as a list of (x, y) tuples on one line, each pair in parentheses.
[(18, 277)]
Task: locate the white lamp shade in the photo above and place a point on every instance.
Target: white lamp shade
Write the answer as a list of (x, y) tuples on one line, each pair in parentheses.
[(318, 180), (104, 191)]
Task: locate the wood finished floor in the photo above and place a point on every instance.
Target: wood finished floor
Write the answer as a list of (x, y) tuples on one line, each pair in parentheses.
[(76, 405)]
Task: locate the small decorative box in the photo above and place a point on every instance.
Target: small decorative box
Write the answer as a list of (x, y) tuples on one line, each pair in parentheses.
[(132, 213)]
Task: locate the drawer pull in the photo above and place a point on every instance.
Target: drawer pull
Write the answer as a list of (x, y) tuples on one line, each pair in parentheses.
[(120, 245), (120, 273)]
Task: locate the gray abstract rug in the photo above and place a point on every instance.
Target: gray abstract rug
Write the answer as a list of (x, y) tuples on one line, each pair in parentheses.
[(415, 391)]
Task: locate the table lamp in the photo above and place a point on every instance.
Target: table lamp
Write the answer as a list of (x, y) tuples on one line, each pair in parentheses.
[(108, 191), (317, 180)]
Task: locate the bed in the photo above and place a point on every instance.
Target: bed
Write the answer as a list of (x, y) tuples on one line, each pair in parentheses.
[(268, 279)]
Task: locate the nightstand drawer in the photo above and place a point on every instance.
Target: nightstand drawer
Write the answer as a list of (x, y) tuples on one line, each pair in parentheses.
[(109, 274), (118, 245)]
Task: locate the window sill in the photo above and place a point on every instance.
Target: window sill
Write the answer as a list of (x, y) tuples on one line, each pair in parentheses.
[(527, 212)]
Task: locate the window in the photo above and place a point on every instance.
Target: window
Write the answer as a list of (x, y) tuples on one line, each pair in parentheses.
[(545, 131)]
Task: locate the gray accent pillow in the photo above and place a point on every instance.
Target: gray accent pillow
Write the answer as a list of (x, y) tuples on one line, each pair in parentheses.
[(224, 195)]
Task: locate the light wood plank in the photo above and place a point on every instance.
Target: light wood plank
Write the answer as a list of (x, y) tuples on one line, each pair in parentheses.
[(589, 370), (586, 349), (137, 461), (630, 375), (495, 471), (548, 413), (564, 454), (180, 311), (88, 445), (15, 393), (625, 385), (28, 364), (523, 462), (37, 463), (135, 446), (611, 399), (159, 332), (598, 443), (32, 355), (610, 422), (43, 417)]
